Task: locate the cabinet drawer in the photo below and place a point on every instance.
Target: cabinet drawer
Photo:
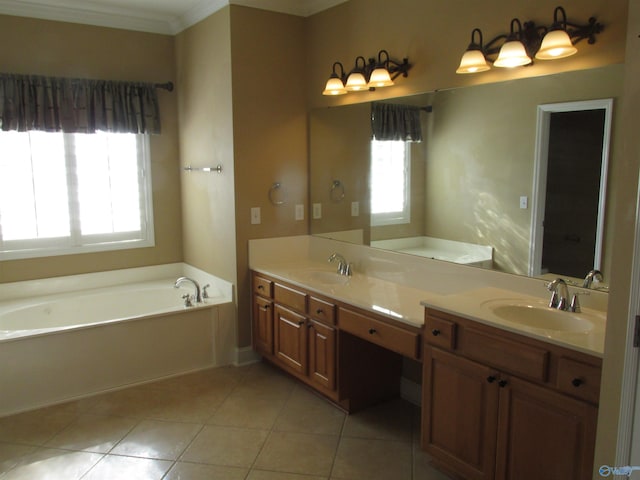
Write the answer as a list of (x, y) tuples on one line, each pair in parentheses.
[(440, 332), (506, 354), (290, 297), (578, 379), (380, 333), (262, 286), (322, 311)]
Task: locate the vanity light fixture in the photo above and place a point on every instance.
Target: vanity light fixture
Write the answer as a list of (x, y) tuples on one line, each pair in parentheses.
[(366, 75), (526, 41)]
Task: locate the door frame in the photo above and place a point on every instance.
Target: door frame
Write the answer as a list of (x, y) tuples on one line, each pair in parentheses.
[(541, 159)]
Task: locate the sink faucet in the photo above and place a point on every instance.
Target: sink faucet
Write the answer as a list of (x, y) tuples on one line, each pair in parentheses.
[(198, 295), (593, 274), (559, 294), (344, 268)]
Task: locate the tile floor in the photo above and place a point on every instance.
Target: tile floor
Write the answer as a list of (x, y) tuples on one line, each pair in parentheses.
[(228, 423)]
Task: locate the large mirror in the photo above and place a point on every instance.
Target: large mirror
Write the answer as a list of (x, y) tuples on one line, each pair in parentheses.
[(470, 187)]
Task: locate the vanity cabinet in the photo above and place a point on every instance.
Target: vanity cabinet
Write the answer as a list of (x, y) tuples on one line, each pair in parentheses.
[(262, 315), (501, 405), (296, 330)]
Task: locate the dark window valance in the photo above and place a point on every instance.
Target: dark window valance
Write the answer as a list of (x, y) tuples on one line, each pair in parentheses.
[(395, 122), (32, 102)]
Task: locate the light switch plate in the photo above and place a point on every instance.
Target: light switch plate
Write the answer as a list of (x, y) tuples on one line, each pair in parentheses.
[(355, 209), (255, 216), (524, 202), (317, 211), (299, 211)]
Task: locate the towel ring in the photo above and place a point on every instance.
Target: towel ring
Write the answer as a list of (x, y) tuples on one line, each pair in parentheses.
[(272, 191), (337, 191)]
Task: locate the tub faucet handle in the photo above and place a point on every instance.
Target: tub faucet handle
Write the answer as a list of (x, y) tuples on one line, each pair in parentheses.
[(187, 300), (205, 294)]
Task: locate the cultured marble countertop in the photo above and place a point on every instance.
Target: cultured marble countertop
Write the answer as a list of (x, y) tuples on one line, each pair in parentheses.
[(406, 304)]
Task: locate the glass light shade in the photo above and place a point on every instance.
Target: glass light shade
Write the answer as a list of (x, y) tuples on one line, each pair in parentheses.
[(512, 54), (334, 87), (473, 61), (556, 44), (380, 78), (356, 82)]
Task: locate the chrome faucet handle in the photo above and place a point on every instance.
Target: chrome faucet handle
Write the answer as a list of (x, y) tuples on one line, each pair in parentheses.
[(574, 306), (205, 294), (553, 302), (187, 300)]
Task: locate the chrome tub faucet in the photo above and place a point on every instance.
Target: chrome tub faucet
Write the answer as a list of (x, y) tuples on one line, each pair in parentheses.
[(591, 276), (198, 295)]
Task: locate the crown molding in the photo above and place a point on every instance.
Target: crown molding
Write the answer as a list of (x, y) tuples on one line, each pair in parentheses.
[(144, 20)]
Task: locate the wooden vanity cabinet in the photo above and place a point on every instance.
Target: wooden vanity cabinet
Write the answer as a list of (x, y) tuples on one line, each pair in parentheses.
[(303, 339), (504, 406), (262, 315)]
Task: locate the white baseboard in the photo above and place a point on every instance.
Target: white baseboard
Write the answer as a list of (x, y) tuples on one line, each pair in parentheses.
[(411, 391), (246, 356)]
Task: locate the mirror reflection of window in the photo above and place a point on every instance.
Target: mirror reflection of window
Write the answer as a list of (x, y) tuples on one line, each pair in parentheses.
[(390, 182)]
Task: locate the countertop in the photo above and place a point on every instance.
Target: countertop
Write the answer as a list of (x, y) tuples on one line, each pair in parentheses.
[(406, 304)]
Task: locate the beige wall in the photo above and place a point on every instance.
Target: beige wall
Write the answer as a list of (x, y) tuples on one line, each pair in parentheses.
[(206, 139), (71, 50), (269, 132)]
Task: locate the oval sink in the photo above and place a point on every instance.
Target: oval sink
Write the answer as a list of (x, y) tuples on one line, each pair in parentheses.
[(544, 318)]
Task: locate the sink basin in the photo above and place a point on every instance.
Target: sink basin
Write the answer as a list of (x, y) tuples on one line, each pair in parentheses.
[(542, 317), (323, 277)]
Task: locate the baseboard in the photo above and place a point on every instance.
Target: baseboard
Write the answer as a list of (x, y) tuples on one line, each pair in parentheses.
[(411, 391), (245, 356)]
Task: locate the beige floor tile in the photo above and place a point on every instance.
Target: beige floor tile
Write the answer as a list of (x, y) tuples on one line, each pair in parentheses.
[(422, 468), (266, 475), (34, 428), (370, 459), (198, 471), (388, 421), (130, 402), (53, 464), (248, 408), (157, 439), (10, 455), (114, 467), (204, 379), (305, 412), (235, 447), (298, 453), (190, 405), (93, 433)]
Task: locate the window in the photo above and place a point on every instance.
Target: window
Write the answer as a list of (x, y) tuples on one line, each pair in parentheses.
[(73, 193), (390, 182)]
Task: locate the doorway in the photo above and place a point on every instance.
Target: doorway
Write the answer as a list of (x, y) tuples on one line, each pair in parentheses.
[(570, 178)]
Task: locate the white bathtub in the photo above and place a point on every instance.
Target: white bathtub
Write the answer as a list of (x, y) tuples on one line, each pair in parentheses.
[(69, 337)]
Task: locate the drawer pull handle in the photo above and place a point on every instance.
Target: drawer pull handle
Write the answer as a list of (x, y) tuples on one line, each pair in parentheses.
[(502, 383), (301, 322), (260, 287), (435, 332), (491, 379), (372, 331), (576, 382), (319, 311)]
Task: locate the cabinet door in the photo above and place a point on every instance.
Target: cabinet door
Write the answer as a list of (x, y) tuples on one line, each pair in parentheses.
[(322, 355), (290, 339), (544, 434), (262, 325), (459, 414)]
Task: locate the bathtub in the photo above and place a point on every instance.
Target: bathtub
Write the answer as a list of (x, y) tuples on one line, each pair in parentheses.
[(69, 337)]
